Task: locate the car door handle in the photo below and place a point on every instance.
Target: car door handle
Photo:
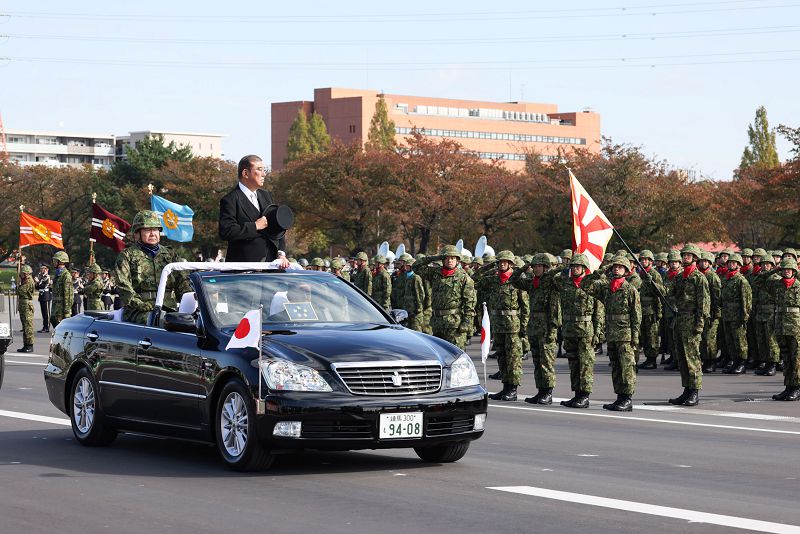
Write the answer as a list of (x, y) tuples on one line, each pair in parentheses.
[(92, 336), (145, 343)]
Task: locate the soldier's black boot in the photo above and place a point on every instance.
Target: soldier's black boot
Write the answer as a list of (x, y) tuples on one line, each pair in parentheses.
[(622, 404), (681, 398), (581, 400), (672, 364), (737, 368), (26, 348), (496, 376), (499, 394), (751, 364), (535, 398), (568, 403), (546, 397), (782, 395), (768, 370), (649, 363), (792, 395), (598, 349), (709, 367), (692, 398), (779, 367), (511, 394)]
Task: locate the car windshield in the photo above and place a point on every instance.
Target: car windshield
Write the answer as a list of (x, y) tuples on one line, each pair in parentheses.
[(286, 298)]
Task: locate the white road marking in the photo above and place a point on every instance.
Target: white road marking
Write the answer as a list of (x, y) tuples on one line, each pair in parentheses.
[(27, 354), (652, 509), (38, 364), (644, 419), (588, 455), (33, 417)]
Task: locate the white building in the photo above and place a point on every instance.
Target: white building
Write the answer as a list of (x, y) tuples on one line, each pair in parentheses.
[(60, 149), (202, 144)]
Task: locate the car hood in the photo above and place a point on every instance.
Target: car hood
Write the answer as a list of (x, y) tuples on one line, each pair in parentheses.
[(321, 345)]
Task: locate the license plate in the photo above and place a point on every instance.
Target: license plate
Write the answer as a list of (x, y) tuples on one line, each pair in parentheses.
[(400, 425), (5, 330)]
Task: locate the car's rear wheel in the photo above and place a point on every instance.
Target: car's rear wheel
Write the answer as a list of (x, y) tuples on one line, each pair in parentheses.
[(237, 438), (444, 453), (85, 412)]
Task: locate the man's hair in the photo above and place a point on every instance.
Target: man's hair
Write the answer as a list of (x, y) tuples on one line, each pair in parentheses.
[(246, 163)]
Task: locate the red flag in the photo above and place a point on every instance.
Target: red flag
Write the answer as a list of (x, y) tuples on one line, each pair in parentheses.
[(108, 229), (248, 333), (486, 332), (35, 231), (591, 230)]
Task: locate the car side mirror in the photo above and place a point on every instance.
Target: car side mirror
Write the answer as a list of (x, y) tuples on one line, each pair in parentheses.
[(398, 315), (180, 322)]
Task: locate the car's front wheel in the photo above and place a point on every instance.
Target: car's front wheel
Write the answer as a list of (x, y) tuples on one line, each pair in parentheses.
[(85, 412), (444, 453), (237, 438)]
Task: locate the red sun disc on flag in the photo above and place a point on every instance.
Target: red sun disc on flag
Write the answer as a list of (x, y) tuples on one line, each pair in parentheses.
[(243, 329), (483, 334)]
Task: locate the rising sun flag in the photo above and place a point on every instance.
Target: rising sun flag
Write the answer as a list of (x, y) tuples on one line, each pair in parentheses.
[(591, 230)]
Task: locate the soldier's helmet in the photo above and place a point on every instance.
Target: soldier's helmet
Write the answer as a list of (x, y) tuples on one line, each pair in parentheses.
[(362, 256), (380, 258), (579, 259), (778, 253), (647, 254), (419, 256), (661, 256), (727, 251), (61, 257), (317, 262), (451, 250), (789, 263), (608, 256), (747, 253), (760, 252), (737, 258), (708, 256), (623, 261), (145, 219), (488, 258), (303, 262), (540, 259), (566, 253), (506, 255), (789, 252), (553, 259), (477, 260), (527, 258), (519, 262), (767, 258), (326, 264), (337, 263), (465, 258), (26, 269), (691, 248), (406, 257), (94, 268), (674, 255)]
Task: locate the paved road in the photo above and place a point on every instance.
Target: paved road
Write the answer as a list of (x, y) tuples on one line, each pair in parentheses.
[(729, 465)]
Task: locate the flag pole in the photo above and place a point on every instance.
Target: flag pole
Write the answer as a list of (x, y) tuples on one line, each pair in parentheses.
[(483, 359), (19, 248), (260, 404), (91, 241), (661, 296)]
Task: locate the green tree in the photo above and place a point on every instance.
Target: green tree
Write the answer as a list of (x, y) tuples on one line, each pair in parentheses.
[(761, 150), (145, 159), (318, 134), (381, 128), (299, 142), (793, 136)]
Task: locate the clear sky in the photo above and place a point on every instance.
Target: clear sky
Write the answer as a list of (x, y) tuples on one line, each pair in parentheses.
[(681, 79)]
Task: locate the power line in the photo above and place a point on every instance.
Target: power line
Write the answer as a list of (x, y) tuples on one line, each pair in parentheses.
[(650, 36)]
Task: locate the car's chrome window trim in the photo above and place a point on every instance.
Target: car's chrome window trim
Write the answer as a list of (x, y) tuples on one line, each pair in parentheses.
[(153, 390), (382, 363)]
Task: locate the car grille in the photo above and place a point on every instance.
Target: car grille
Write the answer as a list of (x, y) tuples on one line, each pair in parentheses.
[(336, 429), (454, 424), (380, 378)]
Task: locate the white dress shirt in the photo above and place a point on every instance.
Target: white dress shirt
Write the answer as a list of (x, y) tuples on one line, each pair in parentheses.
[(251, 195)]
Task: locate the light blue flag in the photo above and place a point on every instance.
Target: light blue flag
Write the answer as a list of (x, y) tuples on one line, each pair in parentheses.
[(176, 220)]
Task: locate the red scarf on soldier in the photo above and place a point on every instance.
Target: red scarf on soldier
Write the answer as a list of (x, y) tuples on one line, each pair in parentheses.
[(672, 274), (448, 272), (722, 271), (788, 282), (756, 269), (689, 269), (731, 274), (577, 280), (505, 275), (616, 283), (746, 268), (536, 282)]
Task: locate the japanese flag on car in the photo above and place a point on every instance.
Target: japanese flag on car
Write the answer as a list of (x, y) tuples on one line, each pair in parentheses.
[(248, 333), (486, 334)]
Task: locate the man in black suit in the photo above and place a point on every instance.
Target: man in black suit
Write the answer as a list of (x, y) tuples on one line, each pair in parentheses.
[(242, 216)]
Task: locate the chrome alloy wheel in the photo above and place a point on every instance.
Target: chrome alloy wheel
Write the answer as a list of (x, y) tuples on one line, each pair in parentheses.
[(233, 424), (83, 405)]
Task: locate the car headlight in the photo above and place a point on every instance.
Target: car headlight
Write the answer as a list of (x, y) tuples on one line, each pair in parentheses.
[(463, 373), (287, 376)]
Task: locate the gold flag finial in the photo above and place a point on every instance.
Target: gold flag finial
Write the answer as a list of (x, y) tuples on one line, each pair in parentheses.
[(94, 197), (150, 189)]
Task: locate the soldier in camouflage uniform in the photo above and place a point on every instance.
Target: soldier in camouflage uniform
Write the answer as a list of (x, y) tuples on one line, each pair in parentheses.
[(577, 308), (544, 320), (737, 303), (337, 268), (669, 320), (452, 296), (623, 324), (502, 301), (138, 270), (786, 292), (398, 283), (93, 290), (764, 313), (693, 301), (413, 294), (708, 340), (524, 314), (650, 294), (362, 278), (63, 292), (316, 264), (382, 283), (25, 291)]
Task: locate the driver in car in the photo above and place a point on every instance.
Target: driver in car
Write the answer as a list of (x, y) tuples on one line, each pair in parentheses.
[(139, 267)]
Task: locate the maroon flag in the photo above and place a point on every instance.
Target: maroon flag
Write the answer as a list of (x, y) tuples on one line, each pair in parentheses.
[(108, 229)]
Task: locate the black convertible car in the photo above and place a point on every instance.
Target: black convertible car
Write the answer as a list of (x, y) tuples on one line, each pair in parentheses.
[(334, 372)]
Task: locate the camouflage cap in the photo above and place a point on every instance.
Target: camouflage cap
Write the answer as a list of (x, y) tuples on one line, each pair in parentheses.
[(727, 251), (519, 262), (767, 258), (26, 269), (466, 258), (406, 257), (450, 250), (506, 255), (337, 263), (747, 253), (145, 219), (789, 263), (380, 258), (94, 268), (674, 255), (708, 256), (566, 253), (527, 258), (621, 260), (540, 259), (691, 248), (579, 259), (661, 256), (488, 258), (647, 254), (759, 252), (789, 252), (737, 258), (778, 253), (478, 261), (362, 256), (61, 257), (317, 262)]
